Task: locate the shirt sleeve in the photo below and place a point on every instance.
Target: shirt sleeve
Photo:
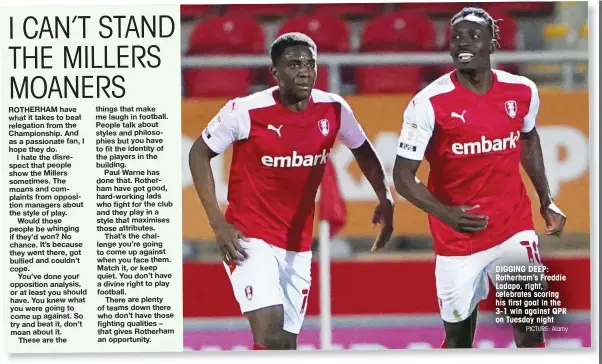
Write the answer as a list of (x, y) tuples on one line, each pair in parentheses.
[(231, 124), (529, 121), (351, 133), (417, 129)]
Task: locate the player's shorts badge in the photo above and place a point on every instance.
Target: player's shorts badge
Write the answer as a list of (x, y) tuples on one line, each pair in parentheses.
[(249, 292), (511, 108), (323, 126)]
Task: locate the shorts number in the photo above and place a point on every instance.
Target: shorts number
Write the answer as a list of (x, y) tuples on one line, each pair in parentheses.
[(305, 293), (532, 251)]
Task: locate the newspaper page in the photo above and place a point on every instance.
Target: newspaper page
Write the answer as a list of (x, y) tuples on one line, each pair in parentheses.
[(91, 218), (108, 248)]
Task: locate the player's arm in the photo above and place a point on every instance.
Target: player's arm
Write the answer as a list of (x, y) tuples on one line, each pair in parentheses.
[(410, 187), (532, 161), (417, 130), (372, 168), (352, 135), (202, 175), (223, 130), (533, 164)]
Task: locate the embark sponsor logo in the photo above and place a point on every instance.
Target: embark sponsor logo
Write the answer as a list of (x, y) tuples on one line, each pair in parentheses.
[(486, 145), (295, 160)]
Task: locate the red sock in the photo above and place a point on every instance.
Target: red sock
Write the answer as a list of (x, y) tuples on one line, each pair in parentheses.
[(540, 345), (258, 347)]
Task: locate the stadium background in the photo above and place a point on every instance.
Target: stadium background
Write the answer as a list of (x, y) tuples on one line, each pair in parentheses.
[(384, 300)]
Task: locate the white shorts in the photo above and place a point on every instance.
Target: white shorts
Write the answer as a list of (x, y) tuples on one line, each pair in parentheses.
[(463, 281), (273, 276)]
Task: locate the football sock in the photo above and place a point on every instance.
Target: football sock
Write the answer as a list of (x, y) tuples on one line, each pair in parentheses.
[(540, 345)]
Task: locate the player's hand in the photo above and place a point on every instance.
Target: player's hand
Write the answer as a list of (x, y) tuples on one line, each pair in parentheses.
[(460, 219), (554, 218), (383, 215), (227, 237)]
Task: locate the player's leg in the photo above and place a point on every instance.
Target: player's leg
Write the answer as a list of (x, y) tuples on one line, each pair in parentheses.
[(295, 273), (461, 284), (266, 326), (256, 286), (460, 334), (522, 250), (524, 337)]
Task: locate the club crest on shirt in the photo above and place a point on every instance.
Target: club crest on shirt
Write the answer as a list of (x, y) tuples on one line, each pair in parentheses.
[(323, 126), (511, 108)]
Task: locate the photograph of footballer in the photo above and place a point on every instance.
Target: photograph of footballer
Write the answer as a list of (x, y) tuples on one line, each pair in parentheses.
[(475, 126), (339, 158), (282, 137)]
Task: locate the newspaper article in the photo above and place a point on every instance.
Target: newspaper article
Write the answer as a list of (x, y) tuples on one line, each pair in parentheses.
[(92, 203), (107, 246)]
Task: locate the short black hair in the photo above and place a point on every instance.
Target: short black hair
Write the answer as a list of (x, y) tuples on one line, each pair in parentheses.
[(492, 24), (288, 40)]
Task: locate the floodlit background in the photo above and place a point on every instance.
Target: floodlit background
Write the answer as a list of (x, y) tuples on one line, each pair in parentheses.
[(385, 300)]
